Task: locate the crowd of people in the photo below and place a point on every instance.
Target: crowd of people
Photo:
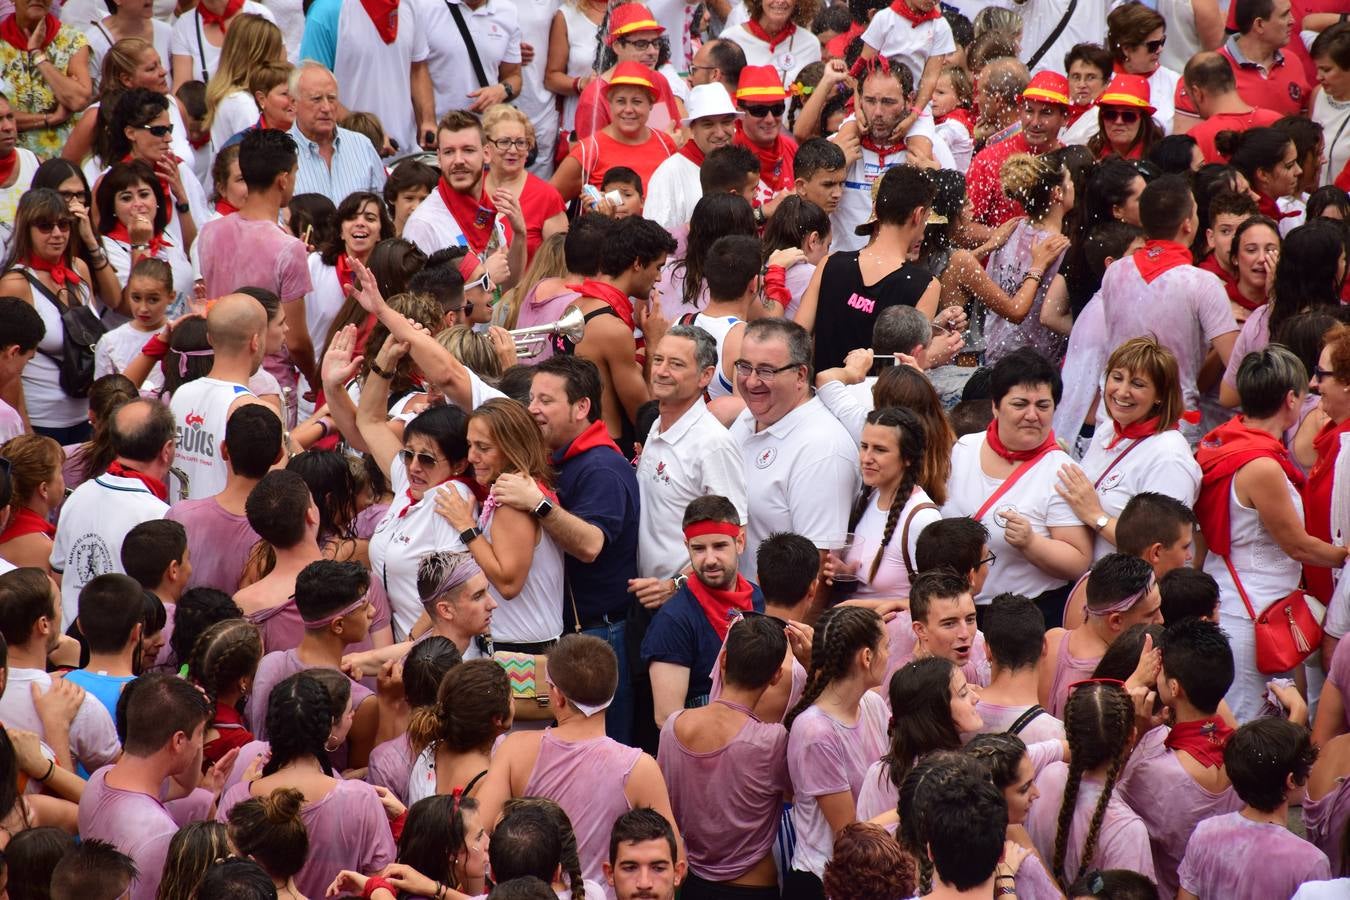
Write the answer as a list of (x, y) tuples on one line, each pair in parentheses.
[(735, 449)]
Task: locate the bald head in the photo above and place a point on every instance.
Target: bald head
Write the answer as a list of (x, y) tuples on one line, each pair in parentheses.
[(1211, 72), (141, 429), (1005, 78), (233, 322)]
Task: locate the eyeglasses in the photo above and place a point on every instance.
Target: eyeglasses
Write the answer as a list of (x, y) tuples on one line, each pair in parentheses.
[(988, 560), (1128, 116), (697, 68), (759, 112), (426, 459), (1319, 373), (763, 373), (49, 227), (159, 131), (1155, 46), (640, 45), (71, 196), (504, 144)]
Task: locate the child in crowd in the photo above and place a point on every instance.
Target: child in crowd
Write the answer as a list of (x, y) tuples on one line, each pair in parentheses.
[(628, 184), (150, 292)]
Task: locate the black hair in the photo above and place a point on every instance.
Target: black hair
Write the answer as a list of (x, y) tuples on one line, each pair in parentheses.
[(581, 246), (1114, 577), (333, 487), (714, 216), (20, 324), (135, 109), (1023, 367), (424, 668), (1113, 884), (409, 174), (840, 634), (1164, 205), (935, 584), (32, 856), (92, 870), (1188, 592), (299, 721), (1151, 518), (315, 215), (581, 379), (639, 825), (923, 690), (276, 508), (349, 209), (792, 223), (446, 426), (1197, 654), (236, 878), (1109, 185), (120, 177), (161, 706), (1109, 240), (1174, 154), (265, 153), (999, 752), (526, 887), (110, 608), (731, 264), (151, 547), (756, 645), (441, 280), (963, 825), (816, 155), (434, 835), (1253, 149), (253, 439), (197, 610), (1306, 274), (327, 586), (911, 442), (638, 240), (1014, 631), (788, 565), (525, 842), (1329, 196), (726, 170), (623, 175), (1262, 755), (956, 543), (1122, 656), (1094, 55), (903, 190)]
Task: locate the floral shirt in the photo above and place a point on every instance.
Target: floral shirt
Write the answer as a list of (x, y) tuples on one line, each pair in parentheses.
[(29, 92)]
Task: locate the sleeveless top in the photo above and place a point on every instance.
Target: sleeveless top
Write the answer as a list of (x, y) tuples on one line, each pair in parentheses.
[(1267, 572), (533, 615), (562, 344), (200, 408), (582, 41), (48, 405), (1068, 669), (848, 308), (718, 327)]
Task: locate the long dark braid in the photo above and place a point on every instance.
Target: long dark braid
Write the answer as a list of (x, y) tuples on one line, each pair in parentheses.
[(840, 633), (1098, 721), (911, 442), (936, 768), (299, 720)]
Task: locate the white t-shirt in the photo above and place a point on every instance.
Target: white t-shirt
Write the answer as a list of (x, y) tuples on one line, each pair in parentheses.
[(672, 192), (9, 197), (495, 29), (432, 227), (93, 738), (94, 521), (1040, 18), (201, 408), (377, 77), (1033, 496), (1334, 117), (791, 56), (235, 112), (119, 347), (189, 40), (119, 257), (323, 301), (891, 36), (892, 579)]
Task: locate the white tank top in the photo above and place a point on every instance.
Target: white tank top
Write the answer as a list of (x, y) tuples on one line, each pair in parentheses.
[(582, 41), (535, 614), (718, 327), (200, 408), (1267, 572), (48, 405)]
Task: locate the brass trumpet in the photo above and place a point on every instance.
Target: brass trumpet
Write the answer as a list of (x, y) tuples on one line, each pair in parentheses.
[(530, 341)]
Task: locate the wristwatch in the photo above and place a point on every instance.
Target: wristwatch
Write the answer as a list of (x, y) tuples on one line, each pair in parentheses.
[(510, 91), (543, 509), (468, 535), (183, 207), (1101, 522), (376, 370)]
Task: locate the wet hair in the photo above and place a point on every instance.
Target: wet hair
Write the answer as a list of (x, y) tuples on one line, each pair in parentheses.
[(840, 633), (1254, 149), (638, 240), (1014, 631), (236, 879), (92, 870), (110, 608), (526, 842), (276, 508), (225, 654), (325, 587), (161, 706), (1187, 592), (1197, 654), (253, 440), (434, 835), (196, 847), (788, 565), (756, 645), (32, 855), (1262, 755), (150, 548), (1098, 722), (910, 440), (955, 543), (1151, 518), (714, 216), (197, 610), (1306, 273), (903, 386), (816, 155), (424, 668), (1001, 753), (1113, 884), (952, 819), (868, 864), (903, 190), (333, 487), (1113, 578), (1023, 367), (1122, 657), (581, 246), (299, 721), (1031, 181), (923, 690), (585, 668), (473, 707), (270, 831)]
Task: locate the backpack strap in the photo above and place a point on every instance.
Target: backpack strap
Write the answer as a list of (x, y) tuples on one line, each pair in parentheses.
[(904, 537), (1025, 719)]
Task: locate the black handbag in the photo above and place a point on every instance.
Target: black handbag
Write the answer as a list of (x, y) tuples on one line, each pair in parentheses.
[(81, 328)]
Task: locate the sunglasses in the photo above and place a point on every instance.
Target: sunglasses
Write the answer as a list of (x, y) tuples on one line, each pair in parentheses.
[(49, 227), (1155, 46), (426, 459), (760, 112), (159, 131), (1127, 116), (483, 281)]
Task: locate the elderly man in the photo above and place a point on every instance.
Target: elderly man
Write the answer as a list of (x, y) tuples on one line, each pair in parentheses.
[(334, 162), (718, 61), (674, 187)]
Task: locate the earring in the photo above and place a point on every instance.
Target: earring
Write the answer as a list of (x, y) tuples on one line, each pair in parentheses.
[(334, 747)]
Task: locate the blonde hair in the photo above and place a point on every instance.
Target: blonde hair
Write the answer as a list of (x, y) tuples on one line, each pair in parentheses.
[(962, 86), (500, 113), (1030, 180), (121, 61), (471, 348), (548, 262), (34, 459), (250, 42)]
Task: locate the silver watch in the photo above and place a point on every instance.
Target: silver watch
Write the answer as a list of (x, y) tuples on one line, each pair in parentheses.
[(1101, 522)]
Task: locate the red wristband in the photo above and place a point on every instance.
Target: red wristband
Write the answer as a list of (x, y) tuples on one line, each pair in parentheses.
[(156, 347), (374, 883), (396, 825), (775, 286)]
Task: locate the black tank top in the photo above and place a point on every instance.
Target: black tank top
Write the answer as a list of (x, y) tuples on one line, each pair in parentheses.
[(848, 309)]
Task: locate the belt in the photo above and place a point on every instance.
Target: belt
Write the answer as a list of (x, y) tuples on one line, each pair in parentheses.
[(604, 621), (538, 647)]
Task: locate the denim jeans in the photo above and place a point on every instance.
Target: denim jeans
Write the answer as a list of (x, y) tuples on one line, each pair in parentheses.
[(619, 716)]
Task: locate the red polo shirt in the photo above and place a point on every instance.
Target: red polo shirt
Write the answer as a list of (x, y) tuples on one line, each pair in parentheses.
[(1283, 89), (1206, 131), (1299, 9), (988, 202)]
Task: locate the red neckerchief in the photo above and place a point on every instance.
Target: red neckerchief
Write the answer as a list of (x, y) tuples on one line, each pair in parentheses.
[(718, 605), (231, 10), (413, 502), (1236, 295), (1157, 257), (880, 151), (913, 16), (1118, 69), (474, 215), (1266, 206), (225, 207), (595, 435), (12, 34), (1135, 431), (690, 152), (775, 161), (163, 183), (25, 521), (1211, 264), (1076, 111), (758, 31), (1203, 740), (614, 298), (157, 487), (1220, 455), (959, 114), (996, 444), (197, 143), (345, 274), (384, 15), (157, 243), (60, 272), (9, 163)]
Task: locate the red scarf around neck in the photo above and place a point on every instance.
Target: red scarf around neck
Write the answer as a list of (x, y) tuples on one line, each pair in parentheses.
[(474, 215), (119, 232), (346, 275), (479, 492), (225, 207), (1135, 431), (25, 522), (9, 163), (62, 274), (384, 15), (959, 114), (232, 8), (691, 152), (157, 487), (616, 299), (1221, 454), (996, 444), (880, 151), (773, 41), (718, 604), (12, 34), (775, 161), (1203, 740), (1157, 257), (1235, 294), (595, 435), (1267, 206), (911, 15)]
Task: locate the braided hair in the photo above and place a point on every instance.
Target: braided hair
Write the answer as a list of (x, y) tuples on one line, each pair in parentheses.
[(911, 442), (225, 653), (1099, 723), (571, 857), (840, 633), (299, 721)]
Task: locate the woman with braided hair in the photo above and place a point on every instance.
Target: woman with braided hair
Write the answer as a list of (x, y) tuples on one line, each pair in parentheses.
[(452, 740), (1079, 822), (346, 819), (891, 455), (223, 662), (573, 885), (836, 730), (424, 667)]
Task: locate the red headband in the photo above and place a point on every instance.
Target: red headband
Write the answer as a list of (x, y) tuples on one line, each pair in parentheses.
[(708, 526)]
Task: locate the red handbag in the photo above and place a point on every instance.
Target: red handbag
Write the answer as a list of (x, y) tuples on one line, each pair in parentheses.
[(1287, 632)]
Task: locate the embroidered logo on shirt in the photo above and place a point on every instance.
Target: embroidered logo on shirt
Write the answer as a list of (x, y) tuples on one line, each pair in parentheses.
[(766, 457), (661, 474), (1112, 480)]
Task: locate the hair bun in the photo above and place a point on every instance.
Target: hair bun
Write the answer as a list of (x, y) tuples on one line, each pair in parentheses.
[(282, 805), (1020, 174)]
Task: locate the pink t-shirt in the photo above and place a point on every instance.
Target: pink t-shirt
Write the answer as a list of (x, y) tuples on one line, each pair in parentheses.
[(729, 801), (11, 423), (1339, 675), (390, 764), (348, 829), (900, 634), (138, 825), (1326, 820), (1068, 670), (1122, 841), (1231, 856), (1170, 802), (275, 668), (93, 739), (998, 718), (282, 628), (219, 542)]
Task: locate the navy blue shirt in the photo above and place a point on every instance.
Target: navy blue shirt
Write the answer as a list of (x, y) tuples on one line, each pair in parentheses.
[(600, 486), (682, 636)]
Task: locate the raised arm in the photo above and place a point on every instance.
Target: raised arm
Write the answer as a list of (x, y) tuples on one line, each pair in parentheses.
[(372, 413), (340, 367)]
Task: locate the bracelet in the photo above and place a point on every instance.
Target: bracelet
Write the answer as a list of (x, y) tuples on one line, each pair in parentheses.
[(323, 423), (441, 890), (1033, 275), (576, 85), (51, 767), (375, 369), (1001, 877), (374, 883)]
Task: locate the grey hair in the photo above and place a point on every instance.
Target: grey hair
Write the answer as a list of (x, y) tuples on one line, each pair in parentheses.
[(705, 347), (441, 575), (1266, 377), (994, 18), (1005, 78), (795, 336), (900, 329), (307, 65)]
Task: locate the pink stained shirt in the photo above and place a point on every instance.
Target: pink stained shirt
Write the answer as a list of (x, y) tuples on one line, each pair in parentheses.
[(1170, 802), (900, 634), (219, 542), (275, 668), (390, 765), (587, 779), (1122, 841), (138, 825), (1232, 857), (93, 738), (282, 628), (1327, 819), (729, 800), (348, 829), (1068, 670), (1339, 675), (998, 718)]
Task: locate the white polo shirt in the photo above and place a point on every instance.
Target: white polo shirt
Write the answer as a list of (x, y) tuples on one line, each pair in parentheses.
[(789, 57), (892, 36), (695, 457), (801, 475), (495, 29), (94, 521), (672, 192)]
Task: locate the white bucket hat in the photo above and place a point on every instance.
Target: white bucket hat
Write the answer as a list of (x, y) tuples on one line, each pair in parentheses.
[(709, 100)]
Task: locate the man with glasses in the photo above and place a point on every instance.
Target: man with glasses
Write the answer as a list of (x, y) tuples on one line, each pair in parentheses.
[(334, 162), (801, 466), (674, 188), (1045, 109), (718, 61), (760, 96)]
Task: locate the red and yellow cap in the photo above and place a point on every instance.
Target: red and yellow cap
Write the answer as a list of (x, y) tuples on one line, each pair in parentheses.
[(631, 17), (1048, 87), (632, 74), (760, 84), (1129, 91)]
